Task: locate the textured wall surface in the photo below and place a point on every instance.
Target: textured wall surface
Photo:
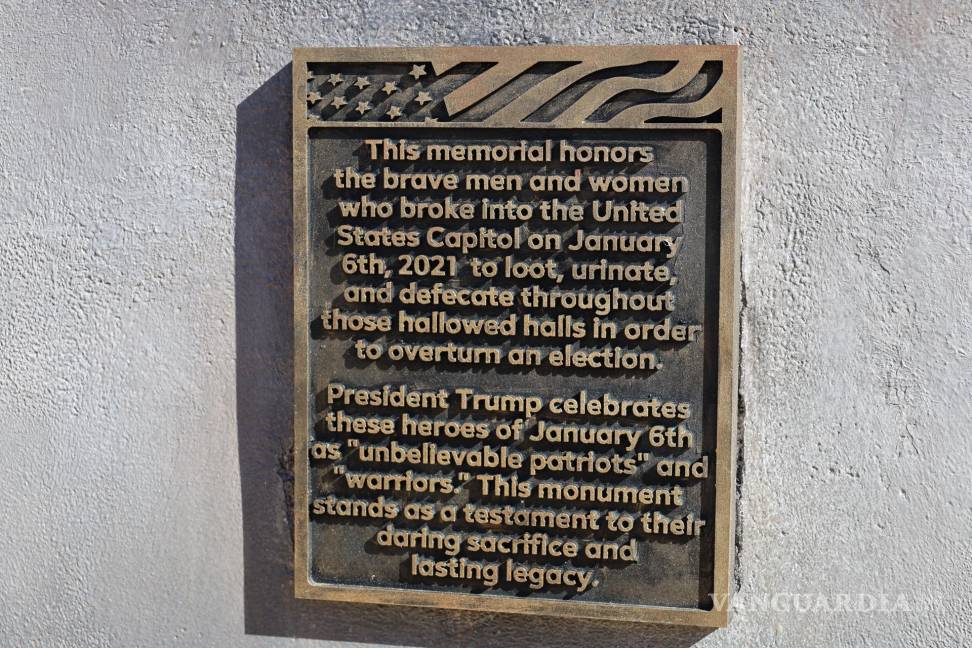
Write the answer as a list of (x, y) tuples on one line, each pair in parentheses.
[(144, 327)]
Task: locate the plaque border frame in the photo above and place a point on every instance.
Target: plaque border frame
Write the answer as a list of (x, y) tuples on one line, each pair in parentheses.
[(729, 100)]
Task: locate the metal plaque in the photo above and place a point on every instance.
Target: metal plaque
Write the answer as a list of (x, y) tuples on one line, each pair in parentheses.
[(515, 286)]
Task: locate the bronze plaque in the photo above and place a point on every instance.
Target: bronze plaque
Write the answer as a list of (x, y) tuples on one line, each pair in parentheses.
[(516, 307)]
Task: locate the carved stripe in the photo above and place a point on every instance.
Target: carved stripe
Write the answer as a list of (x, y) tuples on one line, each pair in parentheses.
[(527, 103), (676, 79), (482, 86), (637, 115)]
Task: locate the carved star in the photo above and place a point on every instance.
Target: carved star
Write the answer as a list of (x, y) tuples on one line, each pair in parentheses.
[(430, 120), (363, 107), (362, 83), (418, 71), (423, 98), (339, 101), (314, 97), (335, 80), (389, 87), (394, 112)]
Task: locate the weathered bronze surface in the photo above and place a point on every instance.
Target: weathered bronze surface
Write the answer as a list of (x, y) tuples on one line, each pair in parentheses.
[(562, 191)]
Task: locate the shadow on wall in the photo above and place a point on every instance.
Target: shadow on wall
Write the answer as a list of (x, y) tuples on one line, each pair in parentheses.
[(264, 404)]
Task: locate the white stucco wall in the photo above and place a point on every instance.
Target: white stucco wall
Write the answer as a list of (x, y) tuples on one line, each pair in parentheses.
[(144, 320)]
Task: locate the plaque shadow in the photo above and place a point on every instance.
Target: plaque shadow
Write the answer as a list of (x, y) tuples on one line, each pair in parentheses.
[(263, 247)]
